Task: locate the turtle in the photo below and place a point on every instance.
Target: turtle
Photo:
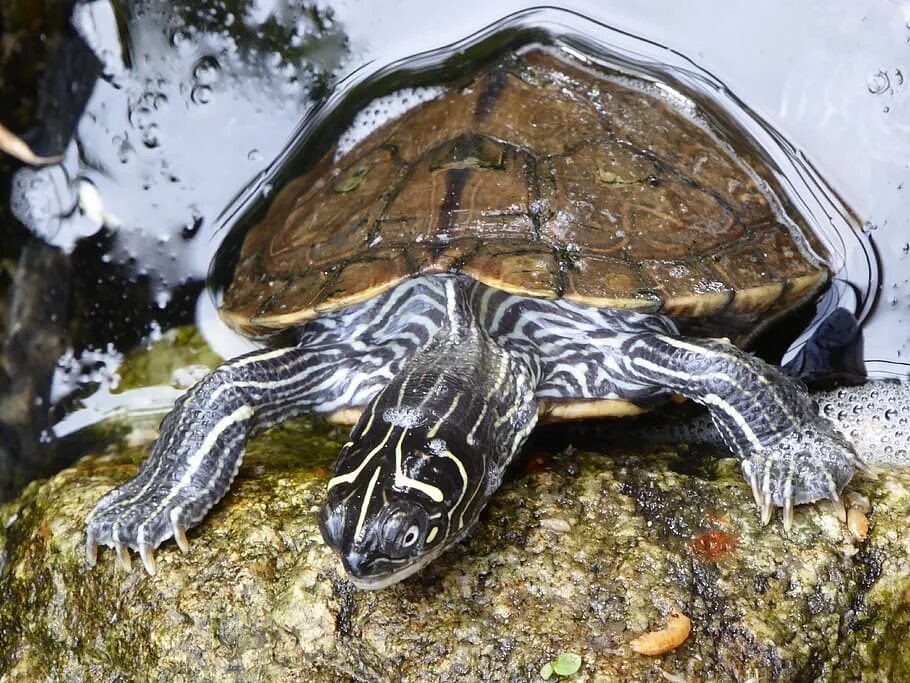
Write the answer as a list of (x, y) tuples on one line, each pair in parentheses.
[(546, 240)]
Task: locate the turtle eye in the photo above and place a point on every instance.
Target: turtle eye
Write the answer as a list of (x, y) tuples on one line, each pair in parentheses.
[(402, 530), (410, 536)]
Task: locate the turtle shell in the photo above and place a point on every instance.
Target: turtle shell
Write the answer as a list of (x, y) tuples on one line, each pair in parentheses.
[(542, 176)]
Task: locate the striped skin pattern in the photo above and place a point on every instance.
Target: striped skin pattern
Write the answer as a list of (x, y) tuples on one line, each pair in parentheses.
[(790, 454), (431, 448), (450, 372)]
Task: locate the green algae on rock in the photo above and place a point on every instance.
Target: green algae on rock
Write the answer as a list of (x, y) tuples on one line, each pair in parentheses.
[(579, 552), (179, 354)]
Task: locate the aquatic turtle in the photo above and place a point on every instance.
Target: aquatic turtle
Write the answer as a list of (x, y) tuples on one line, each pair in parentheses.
[(524, 247)]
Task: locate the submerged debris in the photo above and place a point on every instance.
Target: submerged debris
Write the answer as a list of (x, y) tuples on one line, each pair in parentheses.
[(16, 147)]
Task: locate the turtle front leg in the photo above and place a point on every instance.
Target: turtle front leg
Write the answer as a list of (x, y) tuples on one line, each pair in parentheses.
[(790, 454), (201, 442)]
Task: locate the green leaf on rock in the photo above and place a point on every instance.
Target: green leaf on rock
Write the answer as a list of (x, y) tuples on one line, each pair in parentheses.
[(567, 664)]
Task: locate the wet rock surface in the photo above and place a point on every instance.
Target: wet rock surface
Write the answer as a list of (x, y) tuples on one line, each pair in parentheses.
[(579, 552)]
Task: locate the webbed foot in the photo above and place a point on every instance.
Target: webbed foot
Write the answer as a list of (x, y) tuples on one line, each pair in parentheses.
[(810, 463)]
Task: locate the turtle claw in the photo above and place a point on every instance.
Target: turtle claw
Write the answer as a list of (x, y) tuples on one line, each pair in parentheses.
[(123, 556), (788, 513), (148, 559), (839, 508), (180, 536), (756, 489), (788, 501), (124, 520), (766, 508), (91, 550), (178, 531), (808, 464)]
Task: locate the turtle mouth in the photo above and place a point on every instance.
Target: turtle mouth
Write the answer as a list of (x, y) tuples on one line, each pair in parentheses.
[(382, 572)]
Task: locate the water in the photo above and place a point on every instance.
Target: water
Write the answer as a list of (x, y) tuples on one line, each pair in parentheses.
[(201, 114)]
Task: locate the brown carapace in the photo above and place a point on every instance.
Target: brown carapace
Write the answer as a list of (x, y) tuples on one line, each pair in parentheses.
[(541, 176)]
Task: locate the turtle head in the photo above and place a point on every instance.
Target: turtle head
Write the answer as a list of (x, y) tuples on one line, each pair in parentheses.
[(408, 485)]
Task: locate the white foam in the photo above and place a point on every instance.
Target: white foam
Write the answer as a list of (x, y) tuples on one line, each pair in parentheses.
[(382, 110)]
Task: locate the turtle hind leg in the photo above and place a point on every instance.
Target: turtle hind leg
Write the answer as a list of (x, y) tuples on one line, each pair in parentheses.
[(790, 454)]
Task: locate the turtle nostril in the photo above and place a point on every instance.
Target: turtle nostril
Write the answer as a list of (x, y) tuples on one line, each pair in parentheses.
[(331, 524), (356, 564)]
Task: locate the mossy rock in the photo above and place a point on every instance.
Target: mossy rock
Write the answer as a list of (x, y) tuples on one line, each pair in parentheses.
[(179, 357), (579, 552)]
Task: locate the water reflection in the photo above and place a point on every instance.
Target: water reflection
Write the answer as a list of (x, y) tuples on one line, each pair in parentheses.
[(191, 106)]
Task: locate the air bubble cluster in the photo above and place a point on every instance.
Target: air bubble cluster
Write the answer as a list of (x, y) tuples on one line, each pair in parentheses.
[(143, 113), (876, 417), (382, 110)]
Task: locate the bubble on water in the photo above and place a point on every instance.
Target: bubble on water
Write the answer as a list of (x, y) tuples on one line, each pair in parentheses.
[(201, 94), (92, 366), (140, 117), (206, 69), (254, 155), (150, 136), (879, 431), (163, 298), (179, 37), (879, 83), (125, 151), (190, 229)]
